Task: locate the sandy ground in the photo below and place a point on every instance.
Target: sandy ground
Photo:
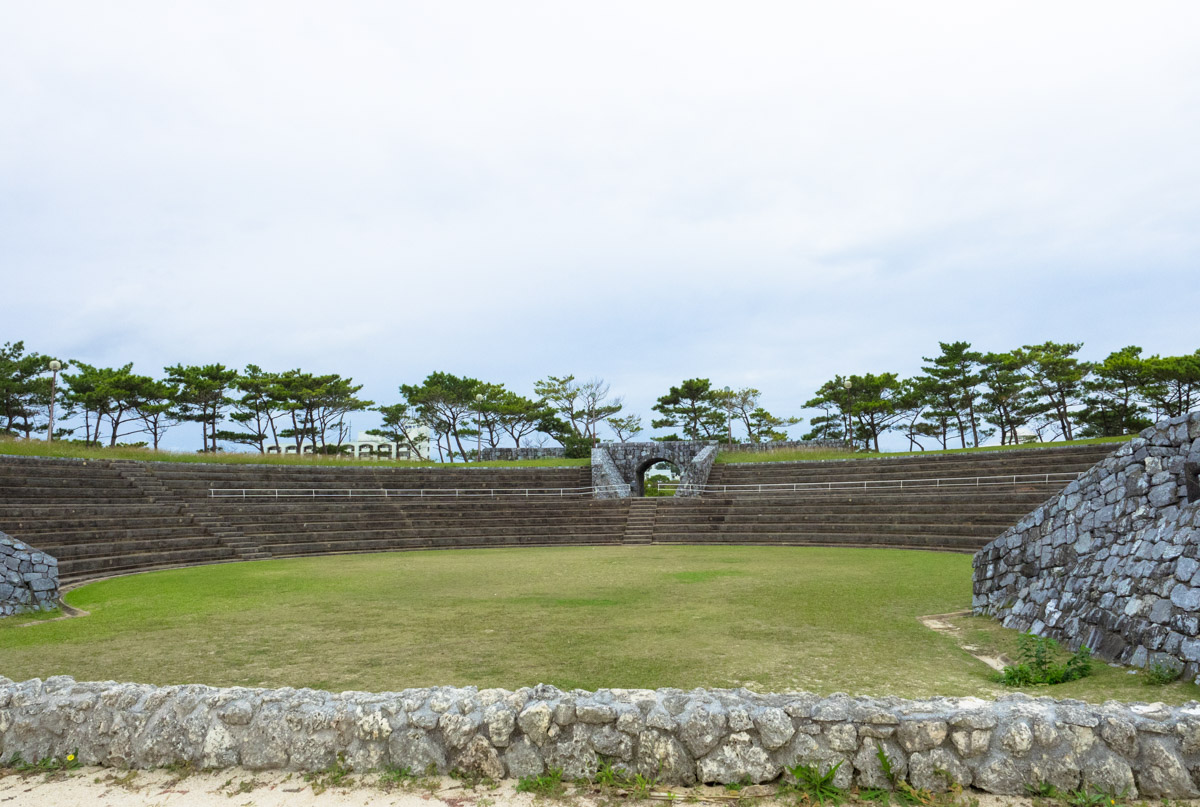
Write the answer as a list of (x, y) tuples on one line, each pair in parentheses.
[(104, 787)]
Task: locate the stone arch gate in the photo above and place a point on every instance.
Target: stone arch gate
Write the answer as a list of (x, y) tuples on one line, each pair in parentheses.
[(620, 466)]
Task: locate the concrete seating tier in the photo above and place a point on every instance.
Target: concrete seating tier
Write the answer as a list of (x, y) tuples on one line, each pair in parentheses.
[(105, 517), (1064, 460), (307, 527), (193, 481), (96, 519)]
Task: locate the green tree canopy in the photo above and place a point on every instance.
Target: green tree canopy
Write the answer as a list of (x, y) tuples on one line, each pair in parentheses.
[(693, 407)]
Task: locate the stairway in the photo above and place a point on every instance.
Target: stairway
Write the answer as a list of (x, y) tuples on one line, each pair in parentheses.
[(140, 475), (639, 529)]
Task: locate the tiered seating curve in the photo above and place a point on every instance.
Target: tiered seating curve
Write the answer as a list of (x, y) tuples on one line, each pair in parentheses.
[(105, 517), (954, 502), (93, 517)]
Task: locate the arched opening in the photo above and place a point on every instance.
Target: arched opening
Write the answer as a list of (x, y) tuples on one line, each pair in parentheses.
[(661, 474)]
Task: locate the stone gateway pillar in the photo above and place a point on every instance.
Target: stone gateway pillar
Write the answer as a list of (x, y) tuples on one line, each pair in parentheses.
[(621, 466)]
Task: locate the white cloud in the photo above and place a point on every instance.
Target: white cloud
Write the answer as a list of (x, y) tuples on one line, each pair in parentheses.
[(767, 194)]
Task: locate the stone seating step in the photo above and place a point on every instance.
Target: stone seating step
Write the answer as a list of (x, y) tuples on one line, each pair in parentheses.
[(966, 544), (465, 542), (71, 569), (268, 540), (71, 551)]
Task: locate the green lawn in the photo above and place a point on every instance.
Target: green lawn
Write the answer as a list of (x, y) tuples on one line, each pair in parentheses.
[(768, 618), (802, 454), (40, 448)]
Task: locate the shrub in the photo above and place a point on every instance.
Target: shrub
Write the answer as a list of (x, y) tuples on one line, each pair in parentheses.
[(576, 447), (1036, 665), (1162, 673)]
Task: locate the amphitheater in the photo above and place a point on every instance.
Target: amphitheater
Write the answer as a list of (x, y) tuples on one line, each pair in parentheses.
[(101, 518)]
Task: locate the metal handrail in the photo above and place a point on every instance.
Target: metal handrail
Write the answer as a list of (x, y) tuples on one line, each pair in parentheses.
[(881, 484), (407, 493)]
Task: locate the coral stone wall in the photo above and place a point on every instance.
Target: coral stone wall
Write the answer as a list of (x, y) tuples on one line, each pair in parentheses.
[(672, 736), (1113, 562), (28, 578), (617, 464)]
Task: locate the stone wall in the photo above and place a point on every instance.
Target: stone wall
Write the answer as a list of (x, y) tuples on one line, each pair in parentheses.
[(607, 478), (1113, 562), (674, 737), (28, 578), (510, 454), (694, 457)]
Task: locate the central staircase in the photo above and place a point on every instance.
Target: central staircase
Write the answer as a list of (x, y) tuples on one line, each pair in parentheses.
[(639, 529)]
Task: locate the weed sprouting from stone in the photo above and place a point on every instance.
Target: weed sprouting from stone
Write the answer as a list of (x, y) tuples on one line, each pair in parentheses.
[(549, 784), (810, 783), (336, 775)]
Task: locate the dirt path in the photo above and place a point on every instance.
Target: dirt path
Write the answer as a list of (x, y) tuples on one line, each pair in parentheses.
[(235, 787), (940, 623)]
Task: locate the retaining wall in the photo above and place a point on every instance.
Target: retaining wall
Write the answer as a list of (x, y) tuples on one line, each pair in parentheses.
[(28, 578), (1112, 562), (511, 454), (675, 737)]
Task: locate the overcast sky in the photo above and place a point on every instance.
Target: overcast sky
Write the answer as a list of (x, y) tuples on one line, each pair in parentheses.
[(763, 194)]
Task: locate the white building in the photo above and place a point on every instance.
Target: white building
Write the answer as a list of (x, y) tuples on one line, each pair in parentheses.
[(372, 447)]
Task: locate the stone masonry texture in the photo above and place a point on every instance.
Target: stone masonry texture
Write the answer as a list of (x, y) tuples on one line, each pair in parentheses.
[(672, 736), (617, 464), (1113, 561), (28, 578)]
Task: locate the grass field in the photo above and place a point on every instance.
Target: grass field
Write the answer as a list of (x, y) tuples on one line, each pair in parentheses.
[(768, 618), (801, 454), (40, 448)]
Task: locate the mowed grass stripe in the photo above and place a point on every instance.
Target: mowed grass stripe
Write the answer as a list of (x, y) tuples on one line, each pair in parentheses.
[(769, 618)]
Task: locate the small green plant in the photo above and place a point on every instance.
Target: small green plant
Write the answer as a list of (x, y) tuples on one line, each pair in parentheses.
[(180, 769), (734, 787), (1036, 665), (1087, 797), (809, 782), (549, 784), (606, 775), (391, 776), (1163, 673), (885, 763), (1044, 790), (640, 786), (405, 777), (125, 780), (336, 775), (472, 779), (46, 765), (904, 793)]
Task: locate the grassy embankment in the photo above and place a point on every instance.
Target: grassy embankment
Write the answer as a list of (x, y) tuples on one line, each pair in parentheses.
[(40, 448), (768, 618), (801, 454)]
